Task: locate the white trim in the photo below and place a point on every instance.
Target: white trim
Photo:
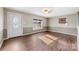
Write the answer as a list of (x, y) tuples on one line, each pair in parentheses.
[(27, 34), (64, 33), (8, 21), (1, 43)]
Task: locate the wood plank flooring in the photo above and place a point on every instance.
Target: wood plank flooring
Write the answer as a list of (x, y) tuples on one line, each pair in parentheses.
[(33, 43)]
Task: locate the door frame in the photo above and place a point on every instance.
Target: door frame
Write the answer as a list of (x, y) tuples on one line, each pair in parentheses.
[(8, 21)]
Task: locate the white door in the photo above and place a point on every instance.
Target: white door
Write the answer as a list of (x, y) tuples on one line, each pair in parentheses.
[(1, 26), (14, 24)]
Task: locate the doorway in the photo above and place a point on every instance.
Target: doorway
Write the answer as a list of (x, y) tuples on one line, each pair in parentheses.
[(14, 24)]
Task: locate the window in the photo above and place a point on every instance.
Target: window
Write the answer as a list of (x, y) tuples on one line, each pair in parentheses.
[(15, 22), (37, 24)]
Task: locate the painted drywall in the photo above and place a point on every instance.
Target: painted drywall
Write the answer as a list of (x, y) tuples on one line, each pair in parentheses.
[(27, 22), (50, 24), (69, 28), (1, 26), (78, 33)]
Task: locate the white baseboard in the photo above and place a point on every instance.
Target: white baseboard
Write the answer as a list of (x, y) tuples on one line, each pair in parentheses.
[(33, 33), (43, 31), (64, 33), (27, 34), (1, 43)]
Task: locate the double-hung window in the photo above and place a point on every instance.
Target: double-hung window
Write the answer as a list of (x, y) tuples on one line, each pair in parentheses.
[(37, 24)]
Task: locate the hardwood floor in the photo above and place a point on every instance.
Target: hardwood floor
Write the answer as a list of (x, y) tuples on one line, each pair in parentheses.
[(33, 43)]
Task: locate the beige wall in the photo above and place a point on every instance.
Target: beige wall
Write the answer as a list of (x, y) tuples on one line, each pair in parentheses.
[(27, 21), (53, 25), (28, 24), (27, 18), (1, 26), (71, 20), (70, 28), (78, 33)]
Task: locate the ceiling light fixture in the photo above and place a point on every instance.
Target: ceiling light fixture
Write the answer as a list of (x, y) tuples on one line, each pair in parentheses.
[(46, 10)]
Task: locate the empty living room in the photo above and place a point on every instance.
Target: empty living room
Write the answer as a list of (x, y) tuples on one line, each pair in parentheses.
[(39, 28)]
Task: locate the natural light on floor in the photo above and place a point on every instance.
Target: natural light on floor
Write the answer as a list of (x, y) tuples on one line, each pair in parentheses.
[(48, 39)]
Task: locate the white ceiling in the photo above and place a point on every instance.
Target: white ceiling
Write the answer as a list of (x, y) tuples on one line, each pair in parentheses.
[(55, 11)]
